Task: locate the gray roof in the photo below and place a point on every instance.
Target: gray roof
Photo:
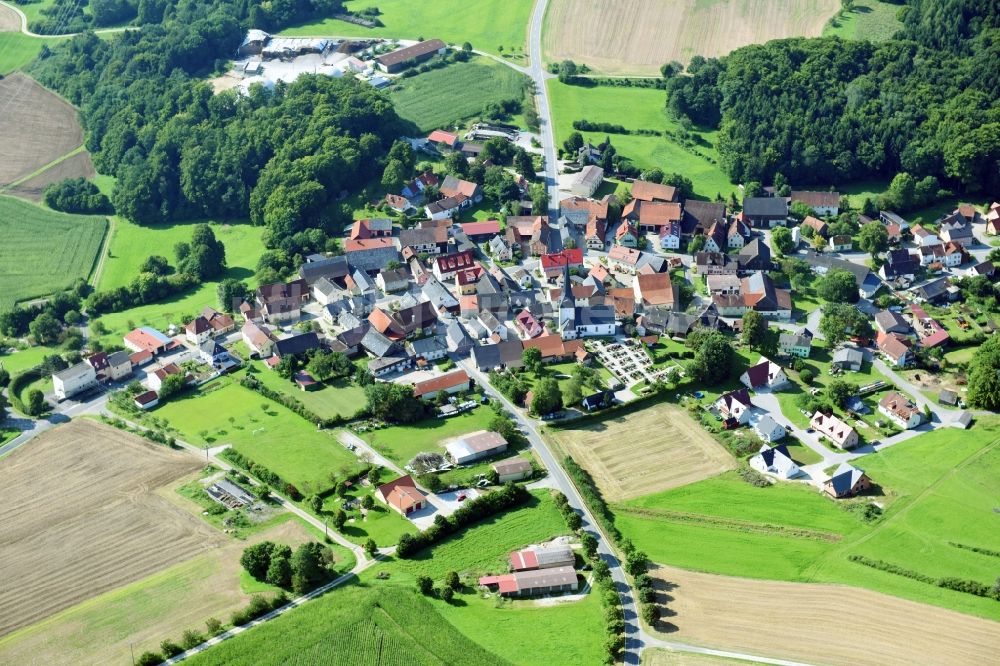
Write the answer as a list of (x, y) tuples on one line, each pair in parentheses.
[(845, 478), (765, 206), (428, 345), (334, 267), (118, 358), (486, 357), (326, 287), (377, 344), (438, 294), (848, 355), (363, 282), (823, 264), (794, 339)]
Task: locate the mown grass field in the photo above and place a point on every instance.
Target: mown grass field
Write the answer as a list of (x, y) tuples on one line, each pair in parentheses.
[(222, 412), (43, 251), (869, 19), (335, 398), (939, 489), (443, 97), (17, 50), (400, 443), (493, 26), (635, 109), (131, 244)]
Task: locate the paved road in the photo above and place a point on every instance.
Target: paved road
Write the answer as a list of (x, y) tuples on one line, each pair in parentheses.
[(24, 25), (347, 437), (539, 75), (633, 637)]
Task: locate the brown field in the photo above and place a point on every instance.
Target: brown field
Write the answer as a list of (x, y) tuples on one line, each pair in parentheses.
[(36, 127), (821, 624), (637, 36), (144, 613), (9, 20), (644, 452), (80, 518), (77, 166)]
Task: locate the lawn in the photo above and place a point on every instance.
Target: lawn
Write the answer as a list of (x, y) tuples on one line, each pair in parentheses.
[(337, 397), (223, 412), (467, 86), (44, 251), (495, 26), (23, 359), (400, 443), (17, 49), (131, 244), (938, 489), (869, 19), (639, 108)]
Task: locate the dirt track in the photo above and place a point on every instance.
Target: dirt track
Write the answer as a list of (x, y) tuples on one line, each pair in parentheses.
[(637, 36), (649, 451), (80, 518), (36, 127), (77, 166), (819, 624)]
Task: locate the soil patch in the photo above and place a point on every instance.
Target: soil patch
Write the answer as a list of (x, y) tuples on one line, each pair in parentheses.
[(9, 20), (77, 166)]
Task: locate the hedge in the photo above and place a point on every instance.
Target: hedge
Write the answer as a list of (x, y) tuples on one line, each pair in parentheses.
[(472, 511), (948, 582), (262, 473), (19, 382), (296, 406), (592, 496)]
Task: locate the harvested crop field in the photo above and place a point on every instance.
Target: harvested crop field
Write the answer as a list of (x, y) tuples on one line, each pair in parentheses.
[(661, 657), (637, 36), (76, 166), (9, 20), (730, 613), (644, 452), (143, 613), (36, 127), (94, 522)]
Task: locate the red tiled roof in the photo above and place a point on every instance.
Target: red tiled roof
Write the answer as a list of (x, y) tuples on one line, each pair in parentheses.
[(572, 257), (444, 382), (646, 191), (440, 136), (359, 244)]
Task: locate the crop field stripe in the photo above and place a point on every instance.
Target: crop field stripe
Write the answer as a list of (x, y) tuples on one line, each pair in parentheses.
[(727, 523), (56, 161)]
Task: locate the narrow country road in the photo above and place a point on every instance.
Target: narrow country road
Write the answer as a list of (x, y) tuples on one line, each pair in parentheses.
[(633, 640), (26, 31), (539, 75)]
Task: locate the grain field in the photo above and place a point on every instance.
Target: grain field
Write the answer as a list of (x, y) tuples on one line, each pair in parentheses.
[(76, 166), (637, 36), (818, 624), (36, 127), (80, 518), (645, 452)]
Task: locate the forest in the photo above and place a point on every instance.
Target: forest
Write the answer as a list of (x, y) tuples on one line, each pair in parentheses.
[(282, 158), (926, 102)]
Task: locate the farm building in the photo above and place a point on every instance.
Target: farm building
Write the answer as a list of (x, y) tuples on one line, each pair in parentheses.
[(146, 400), (587, 181), (402, 495), (848, 358), (402, 58), (229, 494), (476, 445), (847, 481), (197, 330), (530, 583), (512, 469), (838, 432), (453, 382), (542, 557), (112, 367), (73, 380), (148, 339), (775, 460)]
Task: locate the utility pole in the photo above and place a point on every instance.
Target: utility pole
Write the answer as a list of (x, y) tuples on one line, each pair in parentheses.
[(326, 528), (132, 652)]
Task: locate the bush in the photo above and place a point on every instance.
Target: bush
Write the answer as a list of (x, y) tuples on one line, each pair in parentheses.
[(76, 195), (170, 649), (447, 594), (425, 584), (807, 375), (214, 626), (149, 659), (191, 638)]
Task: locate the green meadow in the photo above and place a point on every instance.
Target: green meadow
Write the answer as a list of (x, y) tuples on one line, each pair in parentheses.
[(494, 26), (938, 490), (639, 109), (869, 19)]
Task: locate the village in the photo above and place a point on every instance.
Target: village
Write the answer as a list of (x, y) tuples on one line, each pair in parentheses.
[(420, 299)]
